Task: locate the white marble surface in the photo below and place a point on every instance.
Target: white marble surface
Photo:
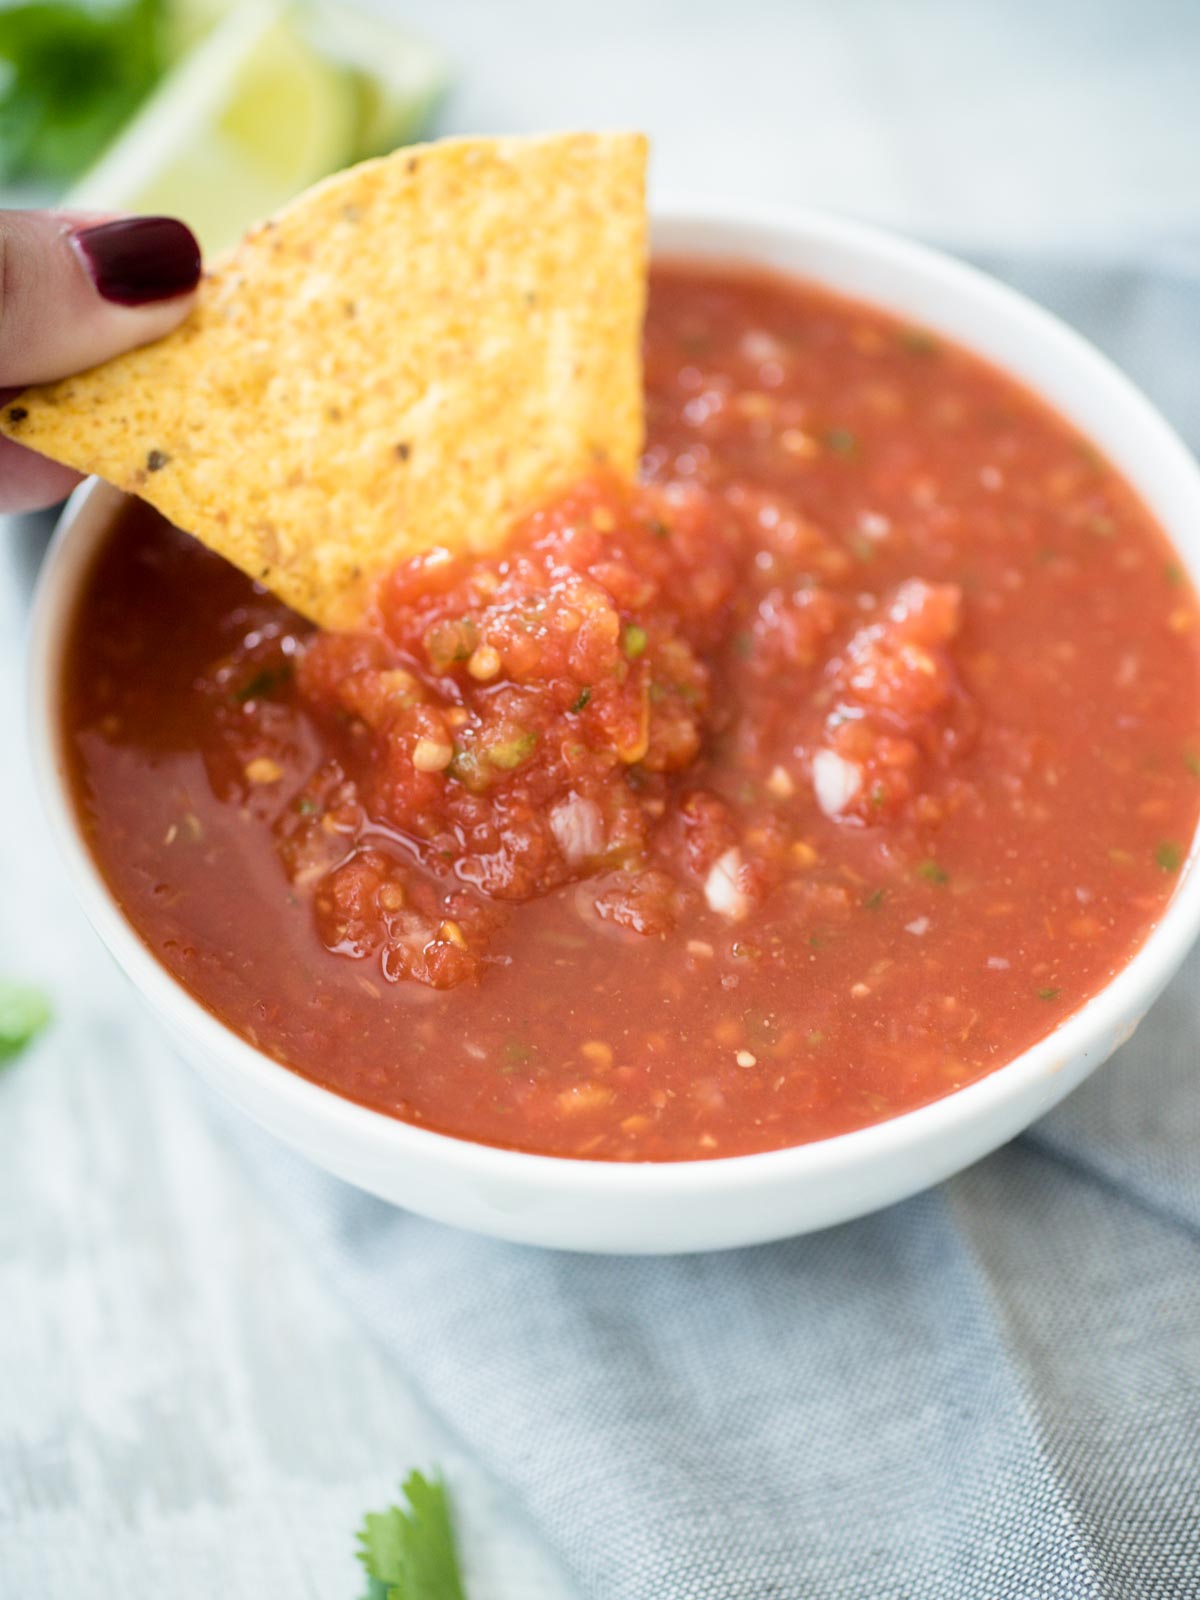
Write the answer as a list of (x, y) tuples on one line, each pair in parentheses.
[(184, 1408), (1053, 122)]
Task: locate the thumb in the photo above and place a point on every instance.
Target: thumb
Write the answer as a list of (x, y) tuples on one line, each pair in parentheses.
[(74, 290)]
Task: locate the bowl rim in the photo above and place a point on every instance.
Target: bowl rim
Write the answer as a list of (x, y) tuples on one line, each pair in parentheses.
[(379, 1136)]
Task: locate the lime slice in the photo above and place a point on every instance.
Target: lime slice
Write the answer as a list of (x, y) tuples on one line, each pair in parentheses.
[(187, 22), (251, 116), (400, 77)]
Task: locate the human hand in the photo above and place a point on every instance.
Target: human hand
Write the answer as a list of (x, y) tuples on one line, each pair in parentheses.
[(75, 290)]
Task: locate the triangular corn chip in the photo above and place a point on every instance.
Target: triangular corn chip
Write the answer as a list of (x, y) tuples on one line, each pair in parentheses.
[(412, 354)]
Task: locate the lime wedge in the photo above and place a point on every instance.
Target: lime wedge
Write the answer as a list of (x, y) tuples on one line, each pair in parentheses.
[(248, 118), (400, 77), (186, 22)]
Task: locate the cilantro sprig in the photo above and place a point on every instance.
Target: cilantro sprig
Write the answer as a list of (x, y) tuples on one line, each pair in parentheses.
[(71, 72), (24, 1012), (408, 1550)]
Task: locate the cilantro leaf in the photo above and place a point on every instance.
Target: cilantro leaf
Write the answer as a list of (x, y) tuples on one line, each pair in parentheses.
[(634, 641), (933, 872), (1168, 856), (24, 1012), (71, 72), (409, 1551), (263, 683)]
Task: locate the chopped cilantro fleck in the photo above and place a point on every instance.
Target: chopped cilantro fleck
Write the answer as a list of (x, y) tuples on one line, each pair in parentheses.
[(307, 806), (815, 1038), (933, 872), (878, 794), (743, 644), (1168, 856), (862, 547), (263, 683), (408, 1550), (634, 641), (24, 1012), (918, 341), (470, 769), (509, 753), (1048, 994), (1191, 761), (874, 900), (1173, 574), (842, 442), (659, 528), (585, 694), (448, 643)]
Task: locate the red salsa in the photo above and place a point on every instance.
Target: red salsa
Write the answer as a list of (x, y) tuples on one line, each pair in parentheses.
[(813, 778)]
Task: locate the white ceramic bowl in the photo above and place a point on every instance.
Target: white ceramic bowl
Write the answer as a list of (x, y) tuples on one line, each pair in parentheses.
[(703, 1205)]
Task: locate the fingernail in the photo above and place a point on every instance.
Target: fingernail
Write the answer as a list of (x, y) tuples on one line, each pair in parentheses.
[(137, 260)]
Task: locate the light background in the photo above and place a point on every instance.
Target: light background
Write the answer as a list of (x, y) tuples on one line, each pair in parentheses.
[(184, 1409)]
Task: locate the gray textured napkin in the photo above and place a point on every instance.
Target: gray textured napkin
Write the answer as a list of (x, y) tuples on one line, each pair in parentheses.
[(991, 1392)]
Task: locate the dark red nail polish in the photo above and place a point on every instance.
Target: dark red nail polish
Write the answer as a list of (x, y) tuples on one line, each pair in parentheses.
[(137, 260)]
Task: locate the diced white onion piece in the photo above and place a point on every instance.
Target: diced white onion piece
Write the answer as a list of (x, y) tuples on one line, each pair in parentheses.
[(918, 925), (875, 525), (836, 781), (578, 828), (722, 889), (759, 346)]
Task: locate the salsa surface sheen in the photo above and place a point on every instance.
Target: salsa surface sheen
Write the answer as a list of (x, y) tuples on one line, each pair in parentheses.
[(813, 780)]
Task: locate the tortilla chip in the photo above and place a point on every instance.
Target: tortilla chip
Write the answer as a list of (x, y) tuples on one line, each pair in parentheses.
[(412, 354)]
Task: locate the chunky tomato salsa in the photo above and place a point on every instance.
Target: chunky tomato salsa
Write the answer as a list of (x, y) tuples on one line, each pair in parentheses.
[(813, 778)]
